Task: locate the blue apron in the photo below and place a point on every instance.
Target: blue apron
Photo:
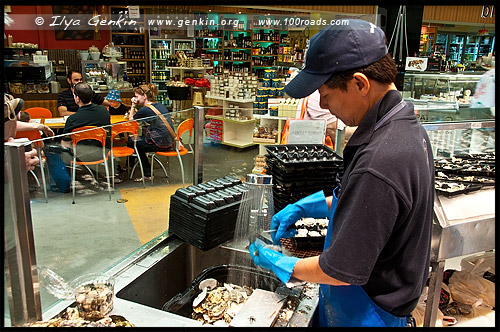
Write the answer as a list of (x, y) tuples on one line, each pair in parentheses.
[(341, 306)]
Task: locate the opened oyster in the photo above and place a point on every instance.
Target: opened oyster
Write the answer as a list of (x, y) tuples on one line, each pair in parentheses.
[(94, 300), (220, 304), (72, 318), (311, 227)]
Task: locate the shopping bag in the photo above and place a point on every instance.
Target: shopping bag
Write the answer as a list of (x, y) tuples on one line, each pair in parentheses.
[(471, 288)]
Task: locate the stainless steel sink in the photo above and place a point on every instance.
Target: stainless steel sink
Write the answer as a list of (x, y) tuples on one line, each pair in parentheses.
[(173, 273)]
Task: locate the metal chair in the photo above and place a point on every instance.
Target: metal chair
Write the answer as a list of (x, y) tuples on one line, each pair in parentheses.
[(131, 127), (35, 135), (89, 133), (184, 126), (38, 112)]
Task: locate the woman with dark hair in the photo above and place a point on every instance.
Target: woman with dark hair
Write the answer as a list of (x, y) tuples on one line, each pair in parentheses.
[(155, 134)]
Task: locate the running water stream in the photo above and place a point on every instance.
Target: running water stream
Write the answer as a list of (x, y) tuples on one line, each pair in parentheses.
[(254, 218)]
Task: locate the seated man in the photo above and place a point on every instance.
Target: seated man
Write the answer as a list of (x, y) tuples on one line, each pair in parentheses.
[(89, 114), (66, 104)]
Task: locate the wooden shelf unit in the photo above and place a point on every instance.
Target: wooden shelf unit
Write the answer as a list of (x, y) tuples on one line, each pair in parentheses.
[(142, 47)]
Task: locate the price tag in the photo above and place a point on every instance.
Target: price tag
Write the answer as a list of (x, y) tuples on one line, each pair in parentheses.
[(133, 12), (475, 125), (307, 131)]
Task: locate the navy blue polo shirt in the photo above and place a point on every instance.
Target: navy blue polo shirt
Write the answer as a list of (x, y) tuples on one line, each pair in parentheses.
[(382, 225)]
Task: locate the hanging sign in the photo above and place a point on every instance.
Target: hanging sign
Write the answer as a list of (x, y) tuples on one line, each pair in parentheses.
[(307, 132), (133, 12), (415, 63)]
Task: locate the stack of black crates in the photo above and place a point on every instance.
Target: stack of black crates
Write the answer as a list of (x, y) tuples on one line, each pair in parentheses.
[(205, 215), (300, 170)]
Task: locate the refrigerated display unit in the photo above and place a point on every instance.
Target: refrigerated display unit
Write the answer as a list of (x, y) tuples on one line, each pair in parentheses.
[(455, 51), (186, 45), (160, 60)]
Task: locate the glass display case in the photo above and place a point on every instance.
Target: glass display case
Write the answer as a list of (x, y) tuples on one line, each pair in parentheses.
[(431, 90), (103, 75), (441, 103)]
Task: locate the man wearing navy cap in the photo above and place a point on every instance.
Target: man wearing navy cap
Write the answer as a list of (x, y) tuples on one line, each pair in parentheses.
[(375, 260)]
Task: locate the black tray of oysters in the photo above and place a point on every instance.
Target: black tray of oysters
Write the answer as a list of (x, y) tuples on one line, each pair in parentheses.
[(311, 233), (464, 173), (482, 165), (451, 189)]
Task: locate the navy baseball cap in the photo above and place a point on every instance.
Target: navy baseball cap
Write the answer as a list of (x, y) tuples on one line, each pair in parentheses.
[(351, 44)]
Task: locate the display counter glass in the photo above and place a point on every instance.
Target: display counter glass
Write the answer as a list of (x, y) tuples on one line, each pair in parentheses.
[(100, 229), (440, 87)]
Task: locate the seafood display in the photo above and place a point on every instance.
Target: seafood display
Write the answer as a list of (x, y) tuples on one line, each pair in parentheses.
[(478, 164), (219, 305), (464, 173), (72, 318), (465, 179)]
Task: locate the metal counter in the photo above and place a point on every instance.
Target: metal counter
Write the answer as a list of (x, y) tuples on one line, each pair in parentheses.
[(462, 225), (145, 279)]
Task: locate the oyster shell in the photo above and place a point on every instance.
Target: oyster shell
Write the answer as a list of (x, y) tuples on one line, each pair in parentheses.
[(219, 305)]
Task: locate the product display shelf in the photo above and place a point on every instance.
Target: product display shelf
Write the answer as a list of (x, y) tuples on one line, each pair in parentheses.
[(186, 45), (226, 33), (271, 121), (237, 133), (138, 45)]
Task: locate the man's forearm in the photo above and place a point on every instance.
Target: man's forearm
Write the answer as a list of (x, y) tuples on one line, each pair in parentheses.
[(63, 111), (308, 269)]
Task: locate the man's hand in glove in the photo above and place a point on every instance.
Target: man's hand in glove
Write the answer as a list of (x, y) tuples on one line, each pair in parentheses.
[(272, 260), (312, 206)]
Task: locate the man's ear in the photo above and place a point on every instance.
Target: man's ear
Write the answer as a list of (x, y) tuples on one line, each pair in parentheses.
[(362, 83)]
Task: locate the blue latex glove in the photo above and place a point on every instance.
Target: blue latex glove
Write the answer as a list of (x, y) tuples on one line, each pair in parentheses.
[(312, 206), (272, 260)]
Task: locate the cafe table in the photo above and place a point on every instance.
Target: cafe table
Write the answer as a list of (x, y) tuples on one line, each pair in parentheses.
[(58, 123)]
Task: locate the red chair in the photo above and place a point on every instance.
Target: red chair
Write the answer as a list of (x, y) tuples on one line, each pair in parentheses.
[(89, 133), (184, 126), (131, 127), (38, 112), (35, 136)]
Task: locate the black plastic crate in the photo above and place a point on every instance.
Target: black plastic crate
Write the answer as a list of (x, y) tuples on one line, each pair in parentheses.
[(303, 154), (205, 215), (181, 304)]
